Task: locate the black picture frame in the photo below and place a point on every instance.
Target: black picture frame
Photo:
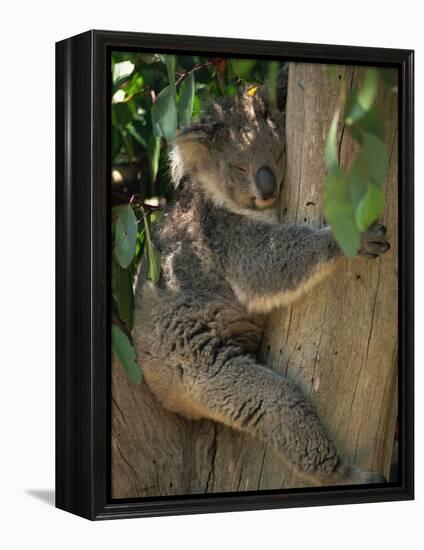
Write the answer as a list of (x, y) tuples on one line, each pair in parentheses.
[(82, 268)]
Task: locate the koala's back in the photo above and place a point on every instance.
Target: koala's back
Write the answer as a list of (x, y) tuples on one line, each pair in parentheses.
[(192, 314)]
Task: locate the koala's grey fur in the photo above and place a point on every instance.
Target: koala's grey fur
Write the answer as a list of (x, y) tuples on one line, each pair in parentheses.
[(225, 263)]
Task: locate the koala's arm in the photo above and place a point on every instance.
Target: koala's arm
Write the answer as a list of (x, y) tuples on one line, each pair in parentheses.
[(270, 265)]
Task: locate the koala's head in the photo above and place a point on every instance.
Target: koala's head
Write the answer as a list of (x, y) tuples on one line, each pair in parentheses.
[(236, 151)]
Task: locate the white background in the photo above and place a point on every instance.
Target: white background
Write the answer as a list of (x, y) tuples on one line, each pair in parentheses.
[(28, 32)]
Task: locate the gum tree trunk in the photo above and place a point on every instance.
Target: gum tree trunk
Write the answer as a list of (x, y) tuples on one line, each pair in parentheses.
[(339, 343)]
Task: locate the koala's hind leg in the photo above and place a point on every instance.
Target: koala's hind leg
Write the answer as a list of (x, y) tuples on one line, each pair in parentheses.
[(240, 392)]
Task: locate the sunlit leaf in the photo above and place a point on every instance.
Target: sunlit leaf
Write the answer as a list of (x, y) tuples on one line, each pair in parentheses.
[(125, 354), (368, 91), (242, 67), (122, 71), (331, 156), (186, 100), (197, 107), (153, 152), (359, 103), (125, 236)]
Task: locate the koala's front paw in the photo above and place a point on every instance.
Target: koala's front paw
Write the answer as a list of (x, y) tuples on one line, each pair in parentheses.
[(374, 242)]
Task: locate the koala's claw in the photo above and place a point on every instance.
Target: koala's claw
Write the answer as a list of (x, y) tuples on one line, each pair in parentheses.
[(373, 242)]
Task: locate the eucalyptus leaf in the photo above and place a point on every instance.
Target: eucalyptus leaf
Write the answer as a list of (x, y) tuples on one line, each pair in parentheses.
[(125, 354), (373, 158), (152, 255), (371, 123), (186, 100), (170, 68), (368, 91), (153, 258), (360, 102), (331, 156), (357, 184), (243, 67), (122, 71), (164, 114), (339, 212), (125, 236), (153, 152), (390, 77), (370, 207), (116, 141), (125, 296)]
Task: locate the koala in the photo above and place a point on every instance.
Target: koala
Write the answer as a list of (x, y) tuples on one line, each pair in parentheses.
[(226, 262)]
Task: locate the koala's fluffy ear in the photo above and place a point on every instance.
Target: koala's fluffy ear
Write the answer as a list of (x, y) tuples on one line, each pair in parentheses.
[(274, 95), (189, 149)]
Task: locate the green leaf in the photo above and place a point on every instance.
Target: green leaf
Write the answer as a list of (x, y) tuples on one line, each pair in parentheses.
[(357, 184), (197, 107), (133, 131), (339, 212), (368, 90), (389, 77), (116, 141), (153, 153), (242, 67), (331, 156), (125, 236), (122, 113), (371, 123), (164, 115), (170, 68), (373, 158), (359, 103), (186, 100), (370, 207), (153, 256), (125, 353), (122, 71), (125, 296), (149, 58)]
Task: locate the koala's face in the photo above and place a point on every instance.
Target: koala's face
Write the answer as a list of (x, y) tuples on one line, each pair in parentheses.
[(236, 153)]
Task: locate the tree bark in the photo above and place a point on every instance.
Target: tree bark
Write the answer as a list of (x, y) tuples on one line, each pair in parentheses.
[(339, 343)]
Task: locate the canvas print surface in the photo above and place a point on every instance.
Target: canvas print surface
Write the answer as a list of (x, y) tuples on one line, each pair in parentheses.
[(254, 274)]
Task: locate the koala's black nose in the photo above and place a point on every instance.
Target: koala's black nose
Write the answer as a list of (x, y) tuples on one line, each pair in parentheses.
[(266, 183)]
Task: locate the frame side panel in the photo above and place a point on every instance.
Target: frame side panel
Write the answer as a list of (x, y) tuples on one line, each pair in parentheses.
[(73, 272)]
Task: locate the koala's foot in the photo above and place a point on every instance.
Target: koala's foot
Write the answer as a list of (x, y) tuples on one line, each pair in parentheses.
[(366, 476), (374, 242), (356, 476)]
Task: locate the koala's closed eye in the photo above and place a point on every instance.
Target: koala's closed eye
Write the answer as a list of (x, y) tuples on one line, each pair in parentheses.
[(240, 168)]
